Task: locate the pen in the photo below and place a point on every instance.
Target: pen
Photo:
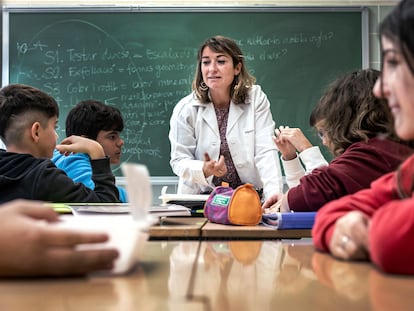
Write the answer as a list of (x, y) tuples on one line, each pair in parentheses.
[(60, 208)]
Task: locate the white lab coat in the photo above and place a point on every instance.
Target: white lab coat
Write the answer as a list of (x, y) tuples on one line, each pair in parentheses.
[(194, 131)]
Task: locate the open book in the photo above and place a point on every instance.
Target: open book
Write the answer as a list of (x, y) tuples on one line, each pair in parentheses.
[(120, 208), (195, 202), (170, 210)]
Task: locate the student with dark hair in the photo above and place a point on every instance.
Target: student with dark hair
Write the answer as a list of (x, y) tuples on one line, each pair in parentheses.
[(378, 223), (102, 123), (28, 119), (222, 131), (358, 130)]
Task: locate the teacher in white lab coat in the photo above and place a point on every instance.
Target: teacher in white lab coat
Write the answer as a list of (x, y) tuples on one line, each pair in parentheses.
[(223, 130)]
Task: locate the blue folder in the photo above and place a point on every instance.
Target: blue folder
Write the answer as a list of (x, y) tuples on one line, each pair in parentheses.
[(299, 220)]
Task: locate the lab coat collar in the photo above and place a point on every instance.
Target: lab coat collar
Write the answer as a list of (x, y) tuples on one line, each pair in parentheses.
[(235, 113), (210, 118)]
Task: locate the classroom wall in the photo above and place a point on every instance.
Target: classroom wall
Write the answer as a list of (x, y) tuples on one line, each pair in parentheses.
[(377, 10)]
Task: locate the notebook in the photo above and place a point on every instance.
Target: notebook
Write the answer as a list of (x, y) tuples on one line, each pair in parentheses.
[(155, 211), (195, 202)]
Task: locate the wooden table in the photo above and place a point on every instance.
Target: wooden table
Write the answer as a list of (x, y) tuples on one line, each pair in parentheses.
[(220, 275), (201, 228), (187, 227), (177, 228), (213, 230)]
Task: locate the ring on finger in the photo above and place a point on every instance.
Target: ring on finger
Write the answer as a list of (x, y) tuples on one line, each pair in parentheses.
[(344, 241)]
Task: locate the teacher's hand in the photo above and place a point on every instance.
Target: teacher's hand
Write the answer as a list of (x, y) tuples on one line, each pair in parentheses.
[(213, 167)]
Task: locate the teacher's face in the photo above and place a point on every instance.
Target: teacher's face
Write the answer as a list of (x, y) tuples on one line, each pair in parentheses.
[(218, 69), (398, 88)]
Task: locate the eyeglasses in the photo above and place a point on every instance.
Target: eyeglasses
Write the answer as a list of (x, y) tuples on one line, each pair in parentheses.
[(321, 134)]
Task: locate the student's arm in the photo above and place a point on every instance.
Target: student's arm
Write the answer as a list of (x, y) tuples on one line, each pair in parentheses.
[(31, 247), (103, 178), (123, 197), (295, 137), (348, 173), (294, 171), (77, 166), (312, 158), (78, 144), (392, 229), (53, 185), (105, 189), (290, 161), (290, 141), (392, 235), (366, 201)]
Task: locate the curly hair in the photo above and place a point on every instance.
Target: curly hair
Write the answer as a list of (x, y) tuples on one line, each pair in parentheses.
[(350, 112)]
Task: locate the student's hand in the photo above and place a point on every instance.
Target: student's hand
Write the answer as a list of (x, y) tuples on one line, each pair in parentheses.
[(79, 144), (295, 137), (30, 246), (287, 150), (275, 204), (350, 237), (213, 167)]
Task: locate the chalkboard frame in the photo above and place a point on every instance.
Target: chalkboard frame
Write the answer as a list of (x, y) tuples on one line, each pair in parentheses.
[(7, 10)]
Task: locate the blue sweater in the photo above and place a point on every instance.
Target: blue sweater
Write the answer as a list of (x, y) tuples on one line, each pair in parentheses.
[(78, 167)]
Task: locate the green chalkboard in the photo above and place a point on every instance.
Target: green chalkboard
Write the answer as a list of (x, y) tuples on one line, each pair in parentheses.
[(143, 61)]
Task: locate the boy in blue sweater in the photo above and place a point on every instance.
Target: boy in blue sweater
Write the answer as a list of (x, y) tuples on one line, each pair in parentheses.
[(102, 123)]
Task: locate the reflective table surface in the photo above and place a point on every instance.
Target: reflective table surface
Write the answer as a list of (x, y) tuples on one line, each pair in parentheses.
[(220, 275)]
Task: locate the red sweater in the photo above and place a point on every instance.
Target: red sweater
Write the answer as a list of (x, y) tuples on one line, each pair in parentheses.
[(389, 203), (354, 170)]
